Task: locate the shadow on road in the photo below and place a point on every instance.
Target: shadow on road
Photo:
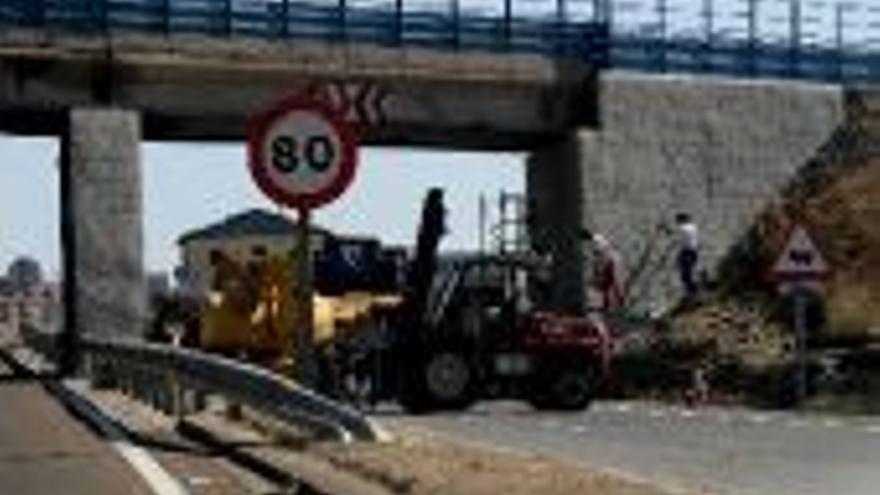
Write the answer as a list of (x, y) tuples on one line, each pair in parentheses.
[(11, 371)]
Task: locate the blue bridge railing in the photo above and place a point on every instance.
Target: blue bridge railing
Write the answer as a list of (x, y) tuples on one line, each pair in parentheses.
[(825, 40), (392, 24)]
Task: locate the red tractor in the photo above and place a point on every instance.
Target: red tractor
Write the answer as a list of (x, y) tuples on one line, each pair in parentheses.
[(467, 331)]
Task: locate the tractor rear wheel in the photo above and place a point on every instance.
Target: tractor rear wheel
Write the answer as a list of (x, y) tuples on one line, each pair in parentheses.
[(449, 380)]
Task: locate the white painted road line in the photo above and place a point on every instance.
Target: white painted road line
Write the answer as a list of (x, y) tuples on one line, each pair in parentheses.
[(657, 413), (759, 418), (551, 424), (873, 429), (798, 423), (623, 408), (831, 423), (687, 413), (579, 429), (724, 418), (156, 477)]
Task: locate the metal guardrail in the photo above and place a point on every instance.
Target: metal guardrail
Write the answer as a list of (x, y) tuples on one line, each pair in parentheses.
[(162, 375)]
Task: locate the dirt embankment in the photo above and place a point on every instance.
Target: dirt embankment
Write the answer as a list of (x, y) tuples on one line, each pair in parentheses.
[(739, 330), (844, 219), (420, 462)]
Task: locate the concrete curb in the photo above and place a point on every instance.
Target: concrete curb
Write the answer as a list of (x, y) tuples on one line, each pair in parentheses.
[(152, 473), (314, 476), (155, 476), (620, 474)]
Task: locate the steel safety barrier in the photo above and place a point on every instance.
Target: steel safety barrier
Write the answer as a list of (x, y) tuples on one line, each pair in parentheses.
[(161, 375)]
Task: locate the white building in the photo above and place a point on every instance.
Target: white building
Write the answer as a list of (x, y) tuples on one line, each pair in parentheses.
[(38, 305), (250, 235)]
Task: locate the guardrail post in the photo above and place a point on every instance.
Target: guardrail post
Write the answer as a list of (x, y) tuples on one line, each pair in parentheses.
[(103, 372), (164, 392), (140, 389), (104, 16), (508, 24), (663, 41), (285, 19), (158, 390), (753, 34), (34, 12), (125, 384), (343, 21), (839, 43), (166, 16), (398, 22), (199, 400), (795, 37), (561, 36), (708, 33), (175, 392), (227, 17), (455, 10)]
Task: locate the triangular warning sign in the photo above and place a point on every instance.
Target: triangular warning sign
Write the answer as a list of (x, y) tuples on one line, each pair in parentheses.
[(800, 257)]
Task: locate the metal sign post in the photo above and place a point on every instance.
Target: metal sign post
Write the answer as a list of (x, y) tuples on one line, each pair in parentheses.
[(800, 338), (303, 155), (798, 271), (306, 365)]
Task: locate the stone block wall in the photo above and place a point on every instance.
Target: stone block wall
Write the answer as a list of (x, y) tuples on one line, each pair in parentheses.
[(719, 149)]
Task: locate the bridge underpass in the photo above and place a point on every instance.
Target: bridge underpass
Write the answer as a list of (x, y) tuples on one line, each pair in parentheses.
[(104, 99), (614, 151)]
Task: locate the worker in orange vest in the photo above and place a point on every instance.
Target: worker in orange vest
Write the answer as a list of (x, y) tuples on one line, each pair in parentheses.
[(607, 272)]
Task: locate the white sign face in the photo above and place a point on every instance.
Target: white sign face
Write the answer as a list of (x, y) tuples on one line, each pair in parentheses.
[(800, 258), (303, 153)]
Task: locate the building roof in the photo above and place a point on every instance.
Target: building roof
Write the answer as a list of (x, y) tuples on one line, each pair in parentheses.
[(246, 223)]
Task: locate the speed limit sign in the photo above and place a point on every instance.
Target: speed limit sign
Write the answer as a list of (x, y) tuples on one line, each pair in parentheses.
[(301, 153)]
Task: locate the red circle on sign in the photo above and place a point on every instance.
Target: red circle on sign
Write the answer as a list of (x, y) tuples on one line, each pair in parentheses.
[(261, 126)]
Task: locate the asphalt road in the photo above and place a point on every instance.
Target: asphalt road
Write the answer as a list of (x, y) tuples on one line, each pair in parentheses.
[(727, 451), (44, 450)]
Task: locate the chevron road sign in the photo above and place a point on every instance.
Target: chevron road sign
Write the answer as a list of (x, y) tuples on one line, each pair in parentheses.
[(362, 103)]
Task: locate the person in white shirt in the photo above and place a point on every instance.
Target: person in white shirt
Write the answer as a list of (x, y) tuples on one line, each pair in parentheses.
[(688, 240)]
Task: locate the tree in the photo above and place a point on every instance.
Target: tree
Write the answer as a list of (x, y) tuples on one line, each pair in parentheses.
[(24, 273)]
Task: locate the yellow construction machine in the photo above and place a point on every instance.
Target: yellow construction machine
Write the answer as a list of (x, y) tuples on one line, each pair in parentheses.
[(250, 310)]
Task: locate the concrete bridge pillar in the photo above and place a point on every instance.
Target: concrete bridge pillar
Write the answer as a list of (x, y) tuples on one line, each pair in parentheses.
[(102, 224), (554, 183)]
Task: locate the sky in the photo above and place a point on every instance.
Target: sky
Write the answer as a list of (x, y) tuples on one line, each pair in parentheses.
[(190, 185)]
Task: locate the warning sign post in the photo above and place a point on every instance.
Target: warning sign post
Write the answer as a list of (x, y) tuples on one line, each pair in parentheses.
[(799, 272)]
